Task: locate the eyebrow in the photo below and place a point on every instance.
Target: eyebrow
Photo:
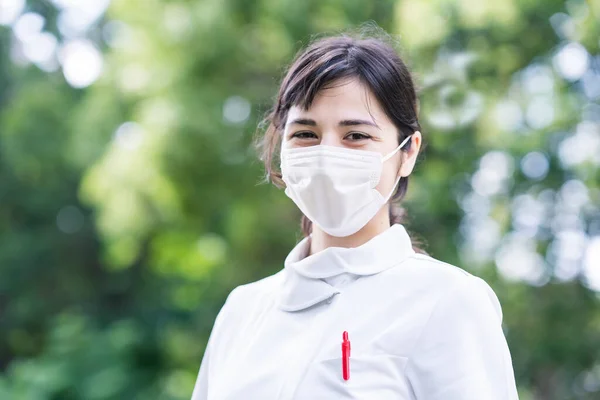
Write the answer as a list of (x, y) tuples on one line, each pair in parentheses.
[(344, 122)]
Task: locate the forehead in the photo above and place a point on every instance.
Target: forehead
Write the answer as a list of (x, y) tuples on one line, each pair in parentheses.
[(343, 99)]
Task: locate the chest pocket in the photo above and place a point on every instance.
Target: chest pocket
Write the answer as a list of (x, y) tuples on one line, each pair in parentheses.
[(372, 376)]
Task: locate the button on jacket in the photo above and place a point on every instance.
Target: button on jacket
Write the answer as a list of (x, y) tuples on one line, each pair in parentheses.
[(419, 328)]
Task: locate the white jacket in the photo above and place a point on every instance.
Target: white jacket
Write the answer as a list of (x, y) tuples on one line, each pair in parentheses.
[(419, 329)]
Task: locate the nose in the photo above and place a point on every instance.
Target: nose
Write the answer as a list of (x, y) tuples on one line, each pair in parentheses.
[(331, 139)]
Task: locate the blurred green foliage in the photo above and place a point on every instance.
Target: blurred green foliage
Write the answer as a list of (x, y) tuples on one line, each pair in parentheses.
[(130, 208)]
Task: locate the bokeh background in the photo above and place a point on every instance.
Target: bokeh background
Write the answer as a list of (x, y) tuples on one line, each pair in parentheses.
[(131, 200)]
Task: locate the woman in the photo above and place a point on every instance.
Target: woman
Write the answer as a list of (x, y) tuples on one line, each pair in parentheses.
[(357, 312)]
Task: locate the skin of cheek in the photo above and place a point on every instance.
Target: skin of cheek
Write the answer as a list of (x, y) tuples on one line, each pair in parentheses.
[(391, 168)]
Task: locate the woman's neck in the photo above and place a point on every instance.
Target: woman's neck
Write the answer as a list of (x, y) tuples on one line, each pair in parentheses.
[(321, 240)]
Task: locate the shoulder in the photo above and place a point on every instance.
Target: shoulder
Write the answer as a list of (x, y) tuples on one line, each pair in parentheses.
[(462, 329), (259, 287), (250, 295), (243, 302), (449, 286)]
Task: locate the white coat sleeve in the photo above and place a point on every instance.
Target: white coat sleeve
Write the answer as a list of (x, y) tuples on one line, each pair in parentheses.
[(201, 386), (462, 353), (202, 381)]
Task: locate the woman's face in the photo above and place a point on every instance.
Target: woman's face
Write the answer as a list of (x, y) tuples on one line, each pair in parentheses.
[(348, 115)]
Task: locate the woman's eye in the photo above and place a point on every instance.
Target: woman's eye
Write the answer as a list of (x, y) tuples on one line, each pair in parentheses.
[(354, 136), (304, 135)]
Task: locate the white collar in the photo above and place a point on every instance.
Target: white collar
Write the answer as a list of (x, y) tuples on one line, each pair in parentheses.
[(303, 286)]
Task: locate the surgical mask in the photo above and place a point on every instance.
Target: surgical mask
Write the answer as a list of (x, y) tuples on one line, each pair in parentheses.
[(335, 186)]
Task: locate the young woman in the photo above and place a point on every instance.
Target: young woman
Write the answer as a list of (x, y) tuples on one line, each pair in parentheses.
[(357, 312)]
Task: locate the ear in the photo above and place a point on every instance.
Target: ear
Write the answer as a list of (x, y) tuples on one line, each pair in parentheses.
[(410, 156)]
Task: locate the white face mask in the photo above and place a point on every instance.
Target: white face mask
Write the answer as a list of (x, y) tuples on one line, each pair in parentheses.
[(335, 186)]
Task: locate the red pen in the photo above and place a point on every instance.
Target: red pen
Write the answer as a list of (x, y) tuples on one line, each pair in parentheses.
[(345, 356)]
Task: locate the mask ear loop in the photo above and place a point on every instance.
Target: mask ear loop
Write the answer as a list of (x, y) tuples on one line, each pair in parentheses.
[(393, 190), (387, 158), (384, 159)]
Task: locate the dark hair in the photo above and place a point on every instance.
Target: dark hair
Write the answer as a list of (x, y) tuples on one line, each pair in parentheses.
[(374, 61)]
